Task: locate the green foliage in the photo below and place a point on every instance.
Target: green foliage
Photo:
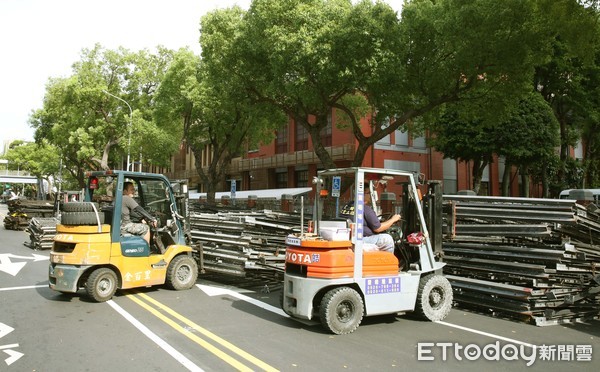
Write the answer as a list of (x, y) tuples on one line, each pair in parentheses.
[(89, 126), (526, 137), (569, 82), (41, 160), (209, 101), (460, 68), (309, 57), (530, 134)]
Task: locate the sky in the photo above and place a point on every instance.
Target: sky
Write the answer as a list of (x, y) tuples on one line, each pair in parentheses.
[(41, 39)]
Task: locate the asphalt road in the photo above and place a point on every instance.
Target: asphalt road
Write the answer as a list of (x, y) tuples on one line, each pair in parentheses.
[(218, 326)]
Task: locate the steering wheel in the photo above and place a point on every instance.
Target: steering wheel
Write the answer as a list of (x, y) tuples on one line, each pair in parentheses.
[(386, 216), (396, 229)]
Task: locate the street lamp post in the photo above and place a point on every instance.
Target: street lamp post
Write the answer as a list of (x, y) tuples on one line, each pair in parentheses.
[(130, 123)]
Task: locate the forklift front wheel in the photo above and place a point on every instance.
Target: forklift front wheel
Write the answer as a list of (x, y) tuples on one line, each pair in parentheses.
[(182, 273), (101, 284), (434, 299), (341, 310)]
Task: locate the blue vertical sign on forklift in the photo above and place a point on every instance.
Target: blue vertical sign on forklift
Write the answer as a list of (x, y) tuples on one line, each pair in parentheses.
[(335, 192)]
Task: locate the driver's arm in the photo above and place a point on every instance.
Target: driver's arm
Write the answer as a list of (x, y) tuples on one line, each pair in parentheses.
[(146, 216), (387, 224)]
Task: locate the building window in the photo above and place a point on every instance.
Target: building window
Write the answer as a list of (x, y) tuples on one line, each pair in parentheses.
[(302, 178), (401, 138), (450, 176), (281, 180), (281, 141), (387, 139), (578, 150), (301, 138), (419, 142)]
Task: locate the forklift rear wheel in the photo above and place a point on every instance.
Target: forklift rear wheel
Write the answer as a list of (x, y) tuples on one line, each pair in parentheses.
[(434, 299), (182, 273), (101, 284), (341, 310)]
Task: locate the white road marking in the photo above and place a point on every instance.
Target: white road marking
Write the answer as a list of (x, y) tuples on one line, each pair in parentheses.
[(487, 334), (218, 291), (13, 356), (25, 287), (13, 268), (157, 340)]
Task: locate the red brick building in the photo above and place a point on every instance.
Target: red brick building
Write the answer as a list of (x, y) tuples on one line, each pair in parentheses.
[(289, 161)]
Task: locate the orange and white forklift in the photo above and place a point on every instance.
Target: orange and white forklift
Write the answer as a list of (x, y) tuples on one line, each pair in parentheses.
[(331, 274)]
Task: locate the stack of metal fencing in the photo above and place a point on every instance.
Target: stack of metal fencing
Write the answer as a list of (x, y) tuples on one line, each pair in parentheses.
[(41, 233), (21, 211), (238, 242), (534, 260)]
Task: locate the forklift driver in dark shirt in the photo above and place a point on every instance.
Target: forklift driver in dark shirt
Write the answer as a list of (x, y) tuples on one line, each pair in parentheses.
[(373, 229), (131, 208)]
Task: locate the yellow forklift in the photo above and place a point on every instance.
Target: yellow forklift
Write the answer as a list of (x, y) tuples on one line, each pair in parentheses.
[(332, 275), (90, 252)]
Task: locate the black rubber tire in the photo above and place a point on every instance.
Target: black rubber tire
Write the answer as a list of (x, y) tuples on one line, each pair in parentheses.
[(341, 311), (79, 207), (182, 273), (81, 218), (434, 298), (102, 284)]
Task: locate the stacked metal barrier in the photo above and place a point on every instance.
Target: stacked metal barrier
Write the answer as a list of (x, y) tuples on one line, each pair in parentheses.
[(535, 260), (21, 211), (41, 232), (237, 242)]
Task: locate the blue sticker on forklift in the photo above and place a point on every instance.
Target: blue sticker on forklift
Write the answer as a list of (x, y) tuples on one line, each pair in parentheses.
[(359, 216), (382, 285)]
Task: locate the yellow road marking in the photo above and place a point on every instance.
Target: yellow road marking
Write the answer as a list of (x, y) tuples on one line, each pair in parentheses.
[(225, 357)]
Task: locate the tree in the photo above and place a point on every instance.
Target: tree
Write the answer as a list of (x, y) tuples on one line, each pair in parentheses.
[(527, 139), (464, 140), (90, 128), (212, 105), (40, 160), (310, 57), (567, 80)]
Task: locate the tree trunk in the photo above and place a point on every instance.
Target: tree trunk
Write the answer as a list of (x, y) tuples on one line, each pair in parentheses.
[(525, 181), (545, 181), (506, 178), (315, 135), (478, 167)]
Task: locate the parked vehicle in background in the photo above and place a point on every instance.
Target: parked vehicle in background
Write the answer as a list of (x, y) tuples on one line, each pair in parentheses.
[(581, 194)]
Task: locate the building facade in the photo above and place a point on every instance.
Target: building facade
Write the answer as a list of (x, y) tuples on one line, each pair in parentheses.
[(290, 161)]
